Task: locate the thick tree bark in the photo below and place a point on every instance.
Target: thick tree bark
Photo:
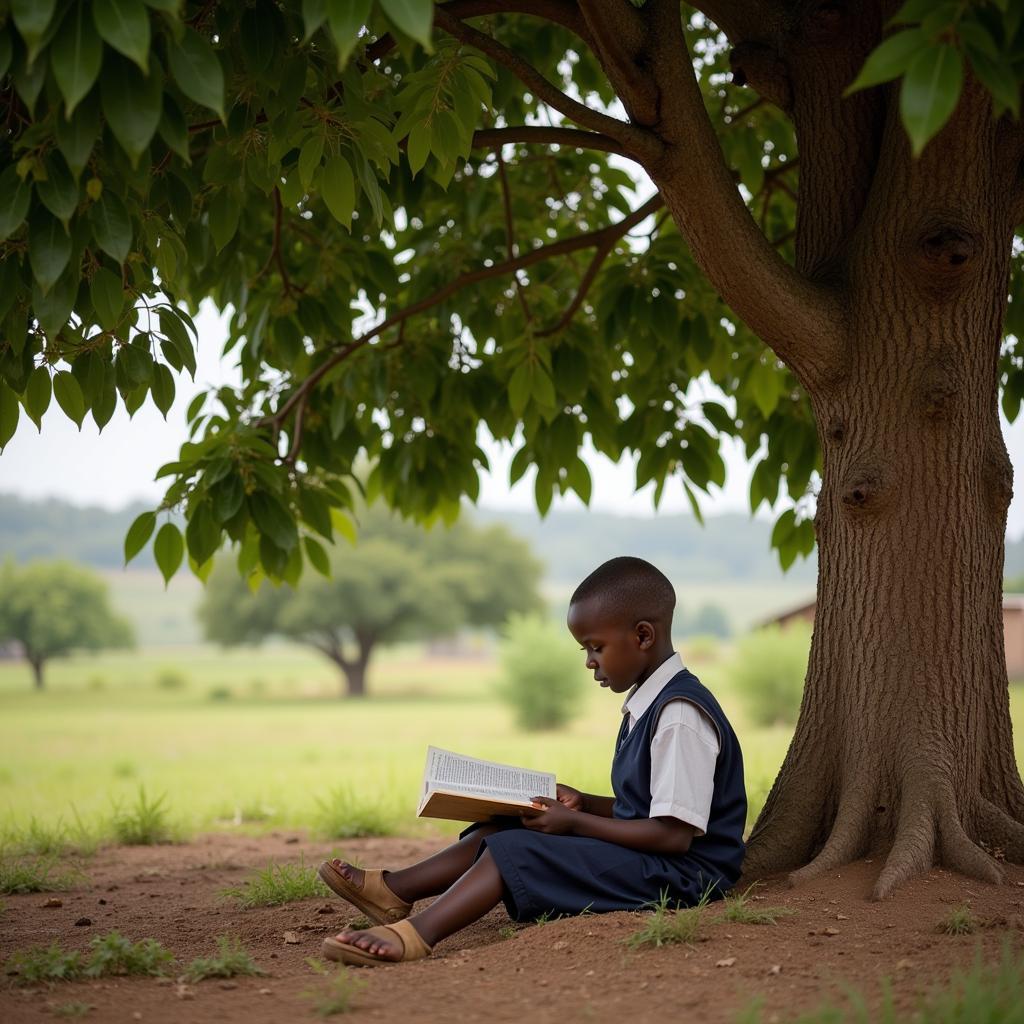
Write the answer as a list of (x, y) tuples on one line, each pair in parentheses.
[(37, 672), (892, 321)]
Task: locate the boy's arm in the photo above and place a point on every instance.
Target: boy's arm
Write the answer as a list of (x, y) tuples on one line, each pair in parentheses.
[(653, 835), (601, 806)]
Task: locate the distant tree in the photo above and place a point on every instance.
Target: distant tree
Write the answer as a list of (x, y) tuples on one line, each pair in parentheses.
[(708, 619), (399, 582), (53, 608), (1013, 585)]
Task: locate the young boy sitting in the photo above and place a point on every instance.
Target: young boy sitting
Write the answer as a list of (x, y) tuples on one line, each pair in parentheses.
[(674, 825)]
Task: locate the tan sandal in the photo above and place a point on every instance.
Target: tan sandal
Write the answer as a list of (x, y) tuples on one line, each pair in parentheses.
[(413, 946), (373, 897)]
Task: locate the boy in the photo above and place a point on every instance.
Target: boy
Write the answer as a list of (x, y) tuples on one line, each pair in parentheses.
[(675, 823)]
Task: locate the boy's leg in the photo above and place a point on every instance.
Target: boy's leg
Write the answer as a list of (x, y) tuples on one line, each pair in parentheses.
[(429, 877), (476, 892)]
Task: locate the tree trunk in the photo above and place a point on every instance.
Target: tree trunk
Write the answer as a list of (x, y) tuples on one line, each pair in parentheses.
[(37, 672), (904, 742), (353, 669)]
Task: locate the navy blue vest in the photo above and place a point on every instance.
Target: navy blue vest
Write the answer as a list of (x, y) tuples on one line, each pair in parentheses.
[(718, 854)]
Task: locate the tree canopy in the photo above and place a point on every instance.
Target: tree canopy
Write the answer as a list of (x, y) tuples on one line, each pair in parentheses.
[(400, 582), (425, 222), (53, 608)]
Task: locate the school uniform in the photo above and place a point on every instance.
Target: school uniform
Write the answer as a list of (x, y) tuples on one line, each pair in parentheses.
[(551, 874)]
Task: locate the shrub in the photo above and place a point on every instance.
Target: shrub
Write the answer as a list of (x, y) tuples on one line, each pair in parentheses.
[(231, 961), (144, 823), (542, 675), (219, 693), (171, 679), (277, 884), (37, 874), (769, 669), (347, 814)]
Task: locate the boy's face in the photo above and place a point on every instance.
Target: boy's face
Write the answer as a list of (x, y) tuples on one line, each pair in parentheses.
[(616, 650)]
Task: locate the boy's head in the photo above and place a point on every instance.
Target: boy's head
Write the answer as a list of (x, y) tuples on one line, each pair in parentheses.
[(621, 614)]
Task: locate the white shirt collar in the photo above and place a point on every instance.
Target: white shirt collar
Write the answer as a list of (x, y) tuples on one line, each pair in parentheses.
[(643, 696)]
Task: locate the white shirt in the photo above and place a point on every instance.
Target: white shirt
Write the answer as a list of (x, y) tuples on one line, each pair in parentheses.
[(684, 750)]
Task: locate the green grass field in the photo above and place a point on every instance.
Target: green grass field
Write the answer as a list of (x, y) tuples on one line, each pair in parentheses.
[(256, 736)]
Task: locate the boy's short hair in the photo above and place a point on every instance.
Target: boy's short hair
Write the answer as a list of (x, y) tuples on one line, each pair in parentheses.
[(629, 588)]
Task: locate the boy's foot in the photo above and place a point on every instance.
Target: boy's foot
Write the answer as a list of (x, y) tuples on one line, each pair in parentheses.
[(395, 943), (383, 947), (366, 890)]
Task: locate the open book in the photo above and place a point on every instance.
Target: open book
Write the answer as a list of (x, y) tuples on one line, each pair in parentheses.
[(462, 788)]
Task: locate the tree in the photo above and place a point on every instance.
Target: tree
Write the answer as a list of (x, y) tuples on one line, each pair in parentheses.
[(54, 608), (440, 237), (398, 583)]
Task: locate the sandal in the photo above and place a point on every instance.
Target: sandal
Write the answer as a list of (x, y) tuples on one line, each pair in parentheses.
[(373, 897), (413, 946)]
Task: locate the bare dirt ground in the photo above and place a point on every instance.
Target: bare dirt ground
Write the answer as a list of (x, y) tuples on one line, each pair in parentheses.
[(565, 970)]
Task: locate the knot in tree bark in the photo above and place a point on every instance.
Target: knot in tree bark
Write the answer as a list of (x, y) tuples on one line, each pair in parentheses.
[(939, 385), (945, 255), (863, 493), (760, 66), (836, 431)]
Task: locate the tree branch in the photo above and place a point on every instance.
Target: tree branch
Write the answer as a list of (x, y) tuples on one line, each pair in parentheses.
[(603, 249), (800, 320), (634, 139), (620, 36), (485, 138), (597, 237)]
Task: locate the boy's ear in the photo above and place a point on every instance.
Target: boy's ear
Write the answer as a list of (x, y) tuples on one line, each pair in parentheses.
[(645, 634)]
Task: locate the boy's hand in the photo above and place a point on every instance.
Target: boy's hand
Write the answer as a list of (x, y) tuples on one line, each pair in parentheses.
[(550, 816), (571, 798)]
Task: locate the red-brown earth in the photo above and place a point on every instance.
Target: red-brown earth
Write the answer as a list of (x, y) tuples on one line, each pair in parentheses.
[(570, 969)]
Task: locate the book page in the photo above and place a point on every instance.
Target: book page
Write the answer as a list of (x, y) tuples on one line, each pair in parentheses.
[(461, 774)]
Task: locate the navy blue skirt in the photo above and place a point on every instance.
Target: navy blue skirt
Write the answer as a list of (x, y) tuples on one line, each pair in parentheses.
[(550, 875)]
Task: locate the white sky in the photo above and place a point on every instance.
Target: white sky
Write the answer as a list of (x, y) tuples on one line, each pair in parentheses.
[(118, 466)]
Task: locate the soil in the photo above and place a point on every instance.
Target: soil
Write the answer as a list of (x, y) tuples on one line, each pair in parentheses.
[(564, 970)]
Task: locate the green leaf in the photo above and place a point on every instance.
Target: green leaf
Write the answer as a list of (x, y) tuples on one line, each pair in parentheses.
[(75, 138), (313, 14), (76, 56), (273, 520), (694, 504), (107, 297), (168, 549), (339, 190), (519, 389), (14, 199), (418, 147), (999, 78), (413, 17), (49, 249), (124, 25), (59, 190), (132, 103), (224, 213), (111, 226), (316, 511), (202, 534), (162, 389), (9, 414), (930, 92), (346, 18), (228, 495), (309, 158), (32, 18), (68, 393), (317, 556), (889, 60), (37, 395), (765, 384), (197, 71)]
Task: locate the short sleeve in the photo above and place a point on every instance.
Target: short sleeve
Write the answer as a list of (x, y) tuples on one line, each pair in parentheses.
[(684, 751)]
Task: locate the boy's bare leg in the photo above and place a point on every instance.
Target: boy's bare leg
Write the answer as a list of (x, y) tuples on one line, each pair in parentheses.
[(429, 877), (467, 900)]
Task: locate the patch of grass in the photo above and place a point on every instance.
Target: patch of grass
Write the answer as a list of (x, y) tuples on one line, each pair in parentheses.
[(73, 1009), (231, 961), (338, 992), (114, 954), (110, 954), (959, 921), (39, 839), (36, 874), (44, 963), (144, 823), (277, 884), (508, 931), (171, 679), (345, 814), (737, 909), (667, 926)]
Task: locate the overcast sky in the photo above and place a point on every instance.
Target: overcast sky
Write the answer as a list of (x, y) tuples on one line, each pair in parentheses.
[(118, 466)]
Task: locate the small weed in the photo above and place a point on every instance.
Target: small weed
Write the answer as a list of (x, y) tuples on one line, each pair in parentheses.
[(49, 963), (346, 815), (959, 921), (508, 931), (668, 926), (338, 992), (360, 924), (74, 1009), (56, 840), (739, 911), (36, 874), (276, 884), (114, 954), (231, 960), (544, 918), (144, 823)]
